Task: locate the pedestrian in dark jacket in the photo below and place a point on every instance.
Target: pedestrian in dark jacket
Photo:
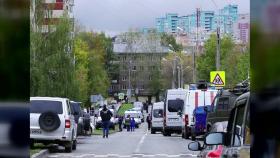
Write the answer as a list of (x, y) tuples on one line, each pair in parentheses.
[(127, 123), (120, 121), (106, 115), (132, 124), (149, 121)]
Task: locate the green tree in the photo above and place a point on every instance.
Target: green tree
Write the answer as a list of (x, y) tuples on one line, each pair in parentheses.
[(156, 83), (233, 61), (168, 39), (51, 61)]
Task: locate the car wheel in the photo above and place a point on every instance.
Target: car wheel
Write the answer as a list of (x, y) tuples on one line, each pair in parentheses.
[(164, 133), (153, 132), (183, 135), (49, 121), (68, 147), (74, 146)]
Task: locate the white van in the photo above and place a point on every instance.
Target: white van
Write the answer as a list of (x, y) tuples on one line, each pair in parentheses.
[(195, 98), (174, 103), (157, 117)]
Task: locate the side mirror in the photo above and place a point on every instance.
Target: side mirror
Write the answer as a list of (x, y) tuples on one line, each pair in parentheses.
[(216, 138), (194, 146)]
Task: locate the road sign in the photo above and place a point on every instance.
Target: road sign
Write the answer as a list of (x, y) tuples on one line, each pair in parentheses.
[(218, 78), (121, 95)]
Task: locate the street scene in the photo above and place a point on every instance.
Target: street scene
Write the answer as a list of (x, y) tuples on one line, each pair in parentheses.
[(123, 79)]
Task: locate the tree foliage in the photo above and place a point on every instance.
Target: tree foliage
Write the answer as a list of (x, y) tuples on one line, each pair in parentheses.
[(234, 62), (168, 40)]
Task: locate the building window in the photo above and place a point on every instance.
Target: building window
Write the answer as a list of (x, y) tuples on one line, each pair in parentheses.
[(134, 68), (123, 87), (124, 58), (124, 78), (142, 68), (150, 77)]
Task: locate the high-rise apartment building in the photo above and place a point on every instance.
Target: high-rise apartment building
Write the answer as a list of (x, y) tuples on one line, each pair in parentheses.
[(241, 28), (227, 16)]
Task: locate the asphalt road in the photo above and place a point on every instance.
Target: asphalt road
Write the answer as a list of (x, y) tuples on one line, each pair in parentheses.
[(140, 143)]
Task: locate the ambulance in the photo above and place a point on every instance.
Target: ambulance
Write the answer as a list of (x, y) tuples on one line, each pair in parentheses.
[(200, 96)]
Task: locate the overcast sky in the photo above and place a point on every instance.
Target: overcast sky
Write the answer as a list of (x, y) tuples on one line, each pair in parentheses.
[(113, 16)]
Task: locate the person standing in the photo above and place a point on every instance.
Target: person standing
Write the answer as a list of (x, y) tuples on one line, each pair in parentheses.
[(120, 121), (132, 124), (106, 115), (127, 123), (149, 121)]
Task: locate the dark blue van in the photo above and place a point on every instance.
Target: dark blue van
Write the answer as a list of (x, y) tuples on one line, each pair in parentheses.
[(200, 116)]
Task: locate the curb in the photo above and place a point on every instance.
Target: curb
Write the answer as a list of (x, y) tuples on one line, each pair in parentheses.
[(41, 154)]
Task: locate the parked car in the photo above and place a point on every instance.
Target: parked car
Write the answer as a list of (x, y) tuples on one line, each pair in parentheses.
[(236, 141), (214, 150), (157, 117), (138, 105), (78, 115), (138, 109), (135, 114), (112, 120), (223, 103), (52, 121)]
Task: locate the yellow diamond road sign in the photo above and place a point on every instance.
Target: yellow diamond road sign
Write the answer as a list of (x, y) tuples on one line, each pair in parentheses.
[(218, 78)]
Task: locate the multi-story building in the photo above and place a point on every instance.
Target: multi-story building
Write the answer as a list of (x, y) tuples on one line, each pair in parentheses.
[(207, 21), (137, 64), (227, 16), (167, 24), (241, 28), (52, 11)]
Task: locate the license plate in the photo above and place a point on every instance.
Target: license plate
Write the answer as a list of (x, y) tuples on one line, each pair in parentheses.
[(35, 131), (173, 120)]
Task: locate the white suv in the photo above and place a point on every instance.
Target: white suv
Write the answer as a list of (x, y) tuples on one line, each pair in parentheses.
[(51, 121)]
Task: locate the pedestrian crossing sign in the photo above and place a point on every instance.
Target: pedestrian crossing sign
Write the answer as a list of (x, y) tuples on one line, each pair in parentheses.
[(218, 78)]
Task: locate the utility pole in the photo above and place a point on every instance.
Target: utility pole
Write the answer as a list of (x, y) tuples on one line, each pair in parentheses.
[(129, 82), (194, 57), (218, 55), (173, 73)]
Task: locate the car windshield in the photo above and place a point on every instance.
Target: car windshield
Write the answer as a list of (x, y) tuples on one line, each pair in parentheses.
[(175, 105), (41, 106), (158, 113)]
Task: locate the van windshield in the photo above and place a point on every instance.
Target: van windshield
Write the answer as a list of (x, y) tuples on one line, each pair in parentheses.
[(158, 113), (175, 105)]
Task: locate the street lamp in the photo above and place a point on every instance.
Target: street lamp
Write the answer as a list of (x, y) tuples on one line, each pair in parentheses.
[(173, 71)]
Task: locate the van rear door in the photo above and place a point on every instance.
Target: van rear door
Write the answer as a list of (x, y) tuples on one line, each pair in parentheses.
[(173, 107)]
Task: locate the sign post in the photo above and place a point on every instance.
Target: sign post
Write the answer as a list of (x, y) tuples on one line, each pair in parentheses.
[(218, 78)]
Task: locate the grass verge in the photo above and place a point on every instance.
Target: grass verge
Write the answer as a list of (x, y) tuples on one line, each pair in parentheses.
[(37, 148), (123, 108)]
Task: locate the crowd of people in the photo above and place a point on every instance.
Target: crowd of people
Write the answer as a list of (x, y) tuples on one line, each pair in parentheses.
[(129, 121)]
